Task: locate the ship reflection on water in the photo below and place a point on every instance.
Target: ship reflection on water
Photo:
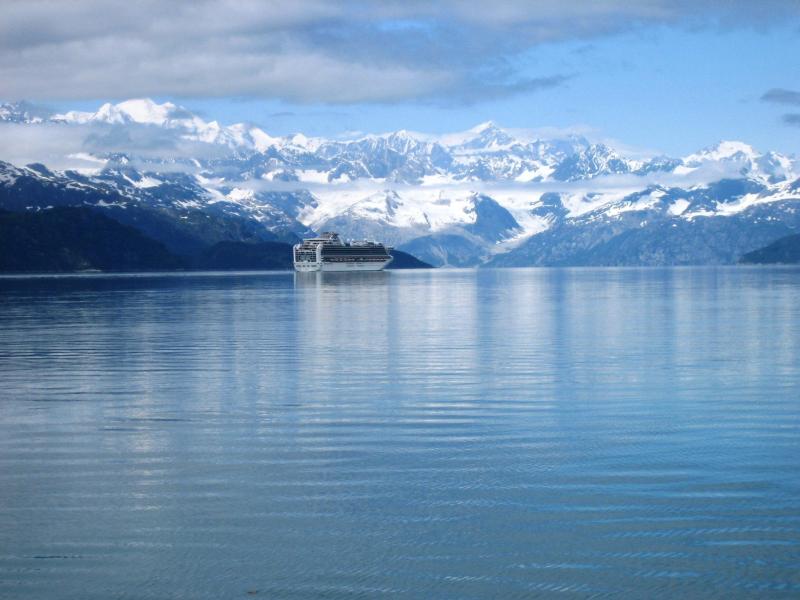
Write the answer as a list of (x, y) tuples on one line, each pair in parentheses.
[(319, 279)]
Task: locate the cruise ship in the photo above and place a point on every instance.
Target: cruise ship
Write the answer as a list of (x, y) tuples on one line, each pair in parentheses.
[(329, 253)]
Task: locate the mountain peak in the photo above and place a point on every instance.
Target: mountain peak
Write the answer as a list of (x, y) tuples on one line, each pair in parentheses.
[(771, 167), (404, 134), (144, 111), (485, 126), (725, 149), (488, 136)]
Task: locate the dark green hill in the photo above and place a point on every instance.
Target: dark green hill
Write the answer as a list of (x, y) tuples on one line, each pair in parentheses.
[(404, 260), (64, 239), (76, 239), (246, 256), (785, 250)]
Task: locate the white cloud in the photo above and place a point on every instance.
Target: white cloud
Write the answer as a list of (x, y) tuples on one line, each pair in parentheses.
[(311, 50), (62, 146)]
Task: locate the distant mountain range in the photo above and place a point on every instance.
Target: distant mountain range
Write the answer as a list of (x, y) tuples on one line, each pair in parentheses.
[(487, 196)]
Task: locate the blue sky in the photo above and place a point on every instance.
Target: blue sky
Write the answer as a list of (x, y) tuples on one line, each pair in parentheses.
[(656, 76)]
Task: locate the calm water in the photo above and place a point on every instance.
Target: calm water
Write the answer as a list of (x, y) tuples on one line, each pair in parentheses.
[(444, 434)]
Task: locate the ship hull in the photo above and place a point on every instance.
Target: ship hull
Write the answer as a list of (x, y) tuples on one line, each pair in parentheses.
[(340, 267)]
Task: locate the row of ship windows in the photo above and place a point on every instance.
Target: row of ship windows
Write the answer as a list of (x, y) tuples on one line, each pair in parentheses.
[(360, 259), (310, 256), (348, 253)]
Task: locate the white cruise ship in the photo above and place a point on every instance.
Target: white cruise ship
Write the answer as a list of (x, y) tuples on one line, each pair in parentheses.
[(329, 253)]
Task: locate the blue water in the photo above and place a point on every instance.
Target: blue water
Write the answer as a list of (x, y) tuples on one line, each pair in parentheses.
[(429, 434)]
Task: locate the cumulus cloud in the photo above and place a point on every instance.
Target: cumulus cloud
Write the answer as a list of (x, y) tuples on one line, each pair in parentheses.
[(317, 51)]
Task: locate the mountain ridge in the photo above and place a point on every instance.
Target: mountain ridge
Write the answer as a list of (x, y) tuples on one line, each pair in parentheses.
[(487, 195)]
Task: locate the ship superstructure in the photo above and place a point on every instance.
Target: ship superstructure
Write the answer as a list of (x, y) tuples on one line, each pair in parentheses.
[(329, 253)]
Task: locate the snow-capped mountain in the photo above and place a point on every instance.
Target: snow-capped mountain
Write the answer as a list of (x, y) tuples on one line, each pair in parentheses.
[(744, 160), (170, 116), (171, 207), (143, 111), (710, 224), (484, 195), (23, 112), (484, 153)]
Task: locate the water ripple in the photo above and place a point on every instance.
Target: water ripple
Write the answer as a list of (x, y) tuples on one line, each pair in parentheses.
[(449, 434)]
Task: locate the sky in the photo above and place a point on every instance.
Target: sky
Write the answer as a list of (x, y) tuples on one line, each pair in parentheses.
[(653, 76)]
